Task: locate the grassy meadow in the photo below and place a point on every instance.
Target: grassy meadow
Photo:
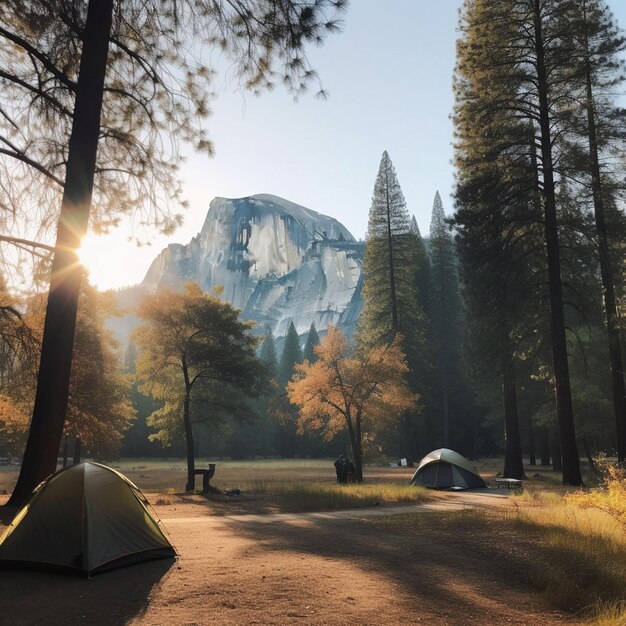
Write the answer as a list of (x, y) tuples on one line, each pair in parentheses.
[(290, 484)]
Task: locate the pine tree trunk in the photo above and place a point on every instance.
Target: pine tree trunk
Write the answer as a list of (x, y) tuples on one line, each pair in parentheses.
[(475, 436), (191, 459), (608, 281), (408, 445), (589, 455), (544, 435), (555, 450), (513, 464), (65, 451), (357, 449), (422, 438), (78, 448), (565, 412), (446, 409), (532, 460), (392, 275), (46, 430), (443, 352)]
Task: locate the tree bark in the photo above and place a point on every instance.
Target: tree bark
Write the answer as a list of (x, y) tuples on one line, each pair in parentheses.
[(589, 455), (78, 448), (565, 412), (191, 457), (358, 451), (607, 275), (555, 451), (532, 460), (354, 435), (443, 369), (513, 465), (46, 430), (65, 451), (408, 445), (446, 408), (544, 434)]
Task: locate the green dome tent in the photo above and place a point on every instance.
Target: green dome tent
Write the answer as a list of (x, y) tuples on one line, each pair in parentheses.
[(87, 518), (446, 469)]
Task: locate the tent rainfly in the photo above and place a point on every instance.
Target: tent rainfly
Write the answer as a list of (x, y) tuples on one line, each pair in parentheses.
[(446, 469), (88, 518)]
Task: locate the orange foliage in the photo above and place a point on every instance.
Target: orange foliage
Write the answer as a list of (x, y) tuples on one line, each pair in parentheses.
[(14, 425), (341, 390), (99, 407)]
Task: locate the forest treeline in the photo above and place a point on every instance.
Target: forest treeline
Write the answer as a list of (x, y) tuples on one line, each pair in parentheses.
[(501, 332), (539, 216)]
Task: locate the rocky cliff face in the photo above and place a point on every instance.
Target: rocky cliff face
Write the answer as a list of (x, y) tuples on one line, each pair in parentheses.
[(277, 261)]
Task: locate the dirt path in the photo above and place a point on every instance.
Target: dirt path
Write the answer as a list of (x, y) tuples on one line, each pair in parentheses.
[(307, 569)]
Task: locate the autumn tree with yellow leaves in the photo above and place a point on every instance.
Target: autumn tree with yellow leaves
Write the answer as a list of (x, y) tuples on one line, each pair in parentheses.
[(357, 393), (198, 359)]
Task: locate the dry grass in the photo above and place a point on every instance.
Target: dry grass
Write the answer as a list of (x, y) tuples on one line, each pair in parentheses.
[(576, 557), (571, 545), (591, 525), (320, 497), (170, 475), (609, 614), (292, 484)]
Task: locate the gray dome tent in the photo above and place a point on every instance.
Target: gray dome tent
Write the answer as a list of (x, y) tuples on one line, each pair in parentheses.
[(446, 469), (87, 518)]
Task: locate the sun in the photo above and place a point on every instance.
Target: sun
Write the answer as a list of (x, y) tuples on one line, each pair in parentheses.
[(96, 255)]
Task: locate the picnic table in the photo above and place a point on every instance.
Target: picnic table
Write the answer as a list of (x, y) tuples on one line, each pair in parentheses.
[(206, 474)]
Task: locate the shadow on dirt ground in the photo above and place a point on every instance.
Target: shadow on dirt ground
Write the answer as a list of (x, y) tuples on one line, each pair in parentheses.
[(115, 597), (365, 567), (441, 574)]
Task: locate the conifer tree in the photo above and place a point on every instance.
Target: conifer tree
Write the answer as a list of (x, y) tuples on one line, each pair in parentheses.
[(312, 340), (517, 55), (420, 354), (497, 220), (493, 266), (445, 310), (267, 353), (286, 412), (255, 434), (597, 73), (388, 287), (423, 270), (291, 354), (391, 303)]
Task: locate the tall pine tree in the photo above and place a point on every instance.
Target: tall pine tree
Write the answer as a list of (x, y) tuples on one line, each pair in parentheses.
[(291, 354), (391, 303), (388, 288), (286, 442), (267, 352), (597, 73), (518, 55), (445, 305)]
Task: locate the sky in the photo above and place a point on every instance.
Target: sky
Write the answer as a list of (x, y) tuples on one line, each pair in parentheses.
[(389, 79)]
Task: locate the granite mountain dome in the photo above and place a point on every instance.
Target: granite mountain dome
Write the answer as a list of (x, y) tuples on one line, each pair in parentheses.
[(277, 261)]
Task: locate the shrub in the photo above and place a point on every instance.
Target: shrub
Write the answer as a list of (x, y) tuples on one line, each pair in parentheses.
[(610, 497)]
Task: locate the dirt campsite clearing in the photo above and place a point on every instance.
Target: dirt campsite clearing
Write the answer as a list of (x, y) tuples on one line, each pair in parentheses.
[(242, 563)]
